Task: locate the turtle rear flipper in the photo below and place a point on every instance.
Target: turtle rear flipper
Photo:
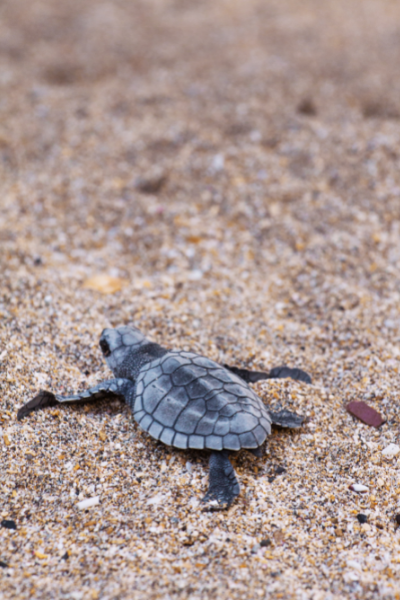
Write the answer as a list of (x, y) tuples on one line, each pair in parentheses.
[(275, 373), (285, 372), (286, 418), (258, 452), (118, 388), (248, 376), (223, 487)]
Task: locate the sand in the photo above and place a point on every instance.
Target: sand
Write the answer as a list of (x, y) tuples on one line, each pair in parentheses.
[(225, 176)]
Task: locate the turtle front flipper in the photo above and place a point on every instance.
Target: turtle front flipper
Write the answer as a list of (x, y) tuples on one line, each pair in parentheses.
[(286, 418), (119, 388), (275, 373), (223, 487)]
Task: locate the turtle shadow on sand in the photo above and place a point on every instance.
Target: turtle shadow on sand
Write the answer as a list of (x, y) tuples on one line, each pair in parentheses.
[(186, 401)]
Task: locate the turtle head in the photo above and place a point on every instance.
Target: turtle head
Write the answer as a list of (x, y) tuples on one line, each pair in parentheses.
[(117, 344)]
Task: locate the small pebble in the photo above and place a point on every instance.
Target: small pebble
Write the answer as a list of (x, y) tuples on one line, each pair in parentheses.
[(362, 518), (218, 163), (397, 519), (307, 107), (152, 183), (3, 564), (365, 413), (265, 542), (280, 470), (9, 524)]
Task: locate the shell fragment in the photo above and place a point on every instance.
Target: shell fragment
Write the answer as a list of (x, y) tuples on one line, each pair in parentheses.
[(88, 503), (358, 487), (391, 450)]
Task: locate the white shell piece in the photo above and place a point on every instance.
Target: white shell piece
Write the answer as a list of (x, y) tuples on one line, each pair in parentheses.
[(88, 502), (358, 487), (157, 499), (391, 450)]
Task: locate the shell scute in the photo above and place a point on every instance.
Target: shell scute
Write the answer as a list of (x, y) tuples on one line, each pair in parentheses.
[(214, 442), (206, 424), (196, 441), (171, 406), (139, 415), (214, 404), (230, 409), (190, 416), (190, 355), (231, 441), (156, 430), (236, 389), (145, 422), (222, 426), (247, 440), (139, 387), (172, 363), (242, 422), (167, 436), (151, 375), (260, 434), (180, 441), (223, 375), (203, 361), (266, 424), (200, 388), (154, 392), (187, 373)]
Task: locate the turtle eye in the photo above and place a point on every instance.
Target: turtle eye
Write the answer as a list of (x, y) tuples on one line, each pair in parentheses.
[(105, 348)]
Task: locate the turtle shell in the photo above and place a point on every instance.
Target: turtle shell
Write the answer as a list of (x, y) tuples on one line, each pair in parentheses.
[(189, 401)]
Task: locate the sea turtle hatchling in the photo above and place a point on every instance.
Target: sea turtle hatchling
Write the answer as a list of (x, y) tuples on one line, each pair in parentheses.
[(187, 401)]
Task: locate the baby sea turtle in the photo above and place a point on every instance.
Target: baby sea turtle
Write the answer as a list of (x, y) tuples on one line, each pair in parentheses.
[(187, 401)]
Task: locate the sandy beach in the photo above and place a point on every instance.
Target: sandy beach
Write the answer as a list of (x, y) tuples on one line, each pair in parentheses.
[(225, 176)]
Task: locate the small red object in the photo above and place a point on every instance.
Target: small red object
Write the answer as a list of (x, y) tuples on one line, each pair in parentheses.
[(365, 413)]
